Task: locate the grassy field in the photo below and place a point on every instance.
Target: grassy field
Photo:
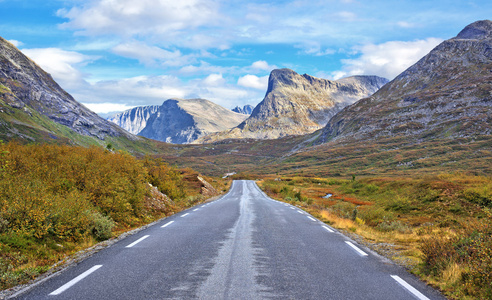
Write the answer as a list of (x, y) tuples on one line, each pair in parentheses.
[(439, 227), (56, 200)]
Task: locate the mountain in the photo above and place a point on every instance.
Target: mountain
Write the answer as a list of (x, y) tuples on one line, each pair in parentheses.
[(134, 120), (446, 94), (299, 104), (33, 105), (245, 110), (180, 121)]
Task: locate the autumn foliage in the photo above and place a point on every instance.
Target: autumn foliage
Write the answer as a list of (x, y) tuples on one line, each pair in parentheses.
[(53, 199)]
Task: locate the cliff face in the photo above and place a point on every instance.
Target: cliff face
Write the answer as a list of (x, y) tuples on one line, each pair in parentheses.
[(134, 120), (180, 121), (25, 87), (300, 104), (446, 94)]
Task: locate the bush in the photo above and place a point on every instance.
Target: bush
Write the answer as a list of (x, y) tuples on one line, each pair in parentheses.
[(471, 249), (394, 226), (343, 210), (101, 226), (481, 196)]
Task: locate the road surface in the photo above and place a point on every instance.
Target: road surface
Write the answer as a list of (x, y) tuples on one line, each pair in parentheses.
[(241, 246)]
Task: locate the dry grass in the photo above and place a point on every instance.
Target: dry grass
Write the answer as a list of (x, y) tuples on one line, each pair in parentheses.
[(438, 226)]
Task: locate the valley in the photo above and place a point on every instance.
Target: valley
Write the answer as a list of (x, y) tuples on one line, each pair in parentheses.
[(402, 167)]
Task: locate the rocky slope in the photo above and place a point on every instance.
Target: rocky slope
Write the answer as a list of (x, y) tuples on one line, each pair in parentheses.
[(299, 104), (446, 94), (134, 120), (245, 110), (27, 93), (180, 121)]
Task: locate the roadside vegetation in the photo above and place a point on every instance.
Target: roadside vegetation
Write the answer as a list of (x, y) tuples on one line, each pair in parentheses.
[(56, 200), (439, 227)]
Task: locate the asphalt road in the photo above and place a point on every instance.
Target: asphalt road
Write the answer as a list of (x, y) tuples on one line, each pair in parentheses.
[(242, 246)]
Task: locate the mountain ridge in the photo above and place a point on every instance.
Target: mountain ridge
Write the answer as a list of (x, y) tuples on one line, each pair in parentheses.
[(446, 94), (27, 92)]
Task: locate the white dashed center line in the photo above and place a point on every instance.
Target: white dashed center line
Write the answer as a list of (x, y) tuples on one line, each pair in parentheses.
[(167, 224), (137, 241), (311, 218), (328, 229), (185, 215), (409, 288), (362, 253), (69, 284)]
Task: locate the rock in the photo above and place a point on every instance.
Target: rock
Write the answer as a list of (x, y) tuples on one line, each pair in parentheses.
[(207, 189)]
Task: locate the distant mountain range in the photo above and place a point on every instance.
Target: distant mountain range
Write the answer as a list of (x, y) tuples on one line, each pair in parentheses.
[(446, 94)]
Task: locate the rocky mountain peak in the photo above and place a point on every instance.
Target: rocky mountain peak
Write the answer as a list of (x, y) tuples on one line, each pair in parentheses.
[(299, 104), (477, 31)]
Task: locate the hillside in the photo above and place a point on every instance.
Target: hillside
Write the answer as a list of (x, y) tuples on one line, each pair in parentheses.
[(181, 121), (446, 94), (34, 108), (299, 104)]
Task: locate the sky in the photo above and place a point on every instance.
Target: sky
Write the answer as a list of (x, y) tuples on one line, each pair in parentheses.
[(113, 55)]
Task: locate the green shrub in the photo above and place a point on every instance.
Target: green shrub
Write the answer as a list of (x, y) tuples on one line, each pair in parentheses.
[(101, 226), (343, 210), (480, 196), (393, 226)]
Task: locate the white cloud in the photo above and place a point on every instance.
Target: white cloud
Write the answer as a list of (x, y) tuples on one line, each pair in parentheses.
[(150, 55), (204, 68), (387, 59), (61, 64), (129, 18), (214, 80), (346, 16), (314, 48), (404, 24), (16, 43), (107, 107), (140, 90), (252, 81), (262, 65)]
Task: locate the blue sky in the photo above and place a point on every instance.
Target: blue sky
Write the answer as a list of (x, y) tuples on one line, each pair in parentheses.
[(112, 55)]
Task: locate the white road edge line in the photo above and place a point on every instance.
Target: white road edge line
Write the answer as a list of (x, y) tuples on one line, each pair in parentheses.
[(362, 253), (137, 241), (185, 215), (167, 224), (195, 209), (410, 288), (69, 284), (311, 218), (327, 228), (300, 212)]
